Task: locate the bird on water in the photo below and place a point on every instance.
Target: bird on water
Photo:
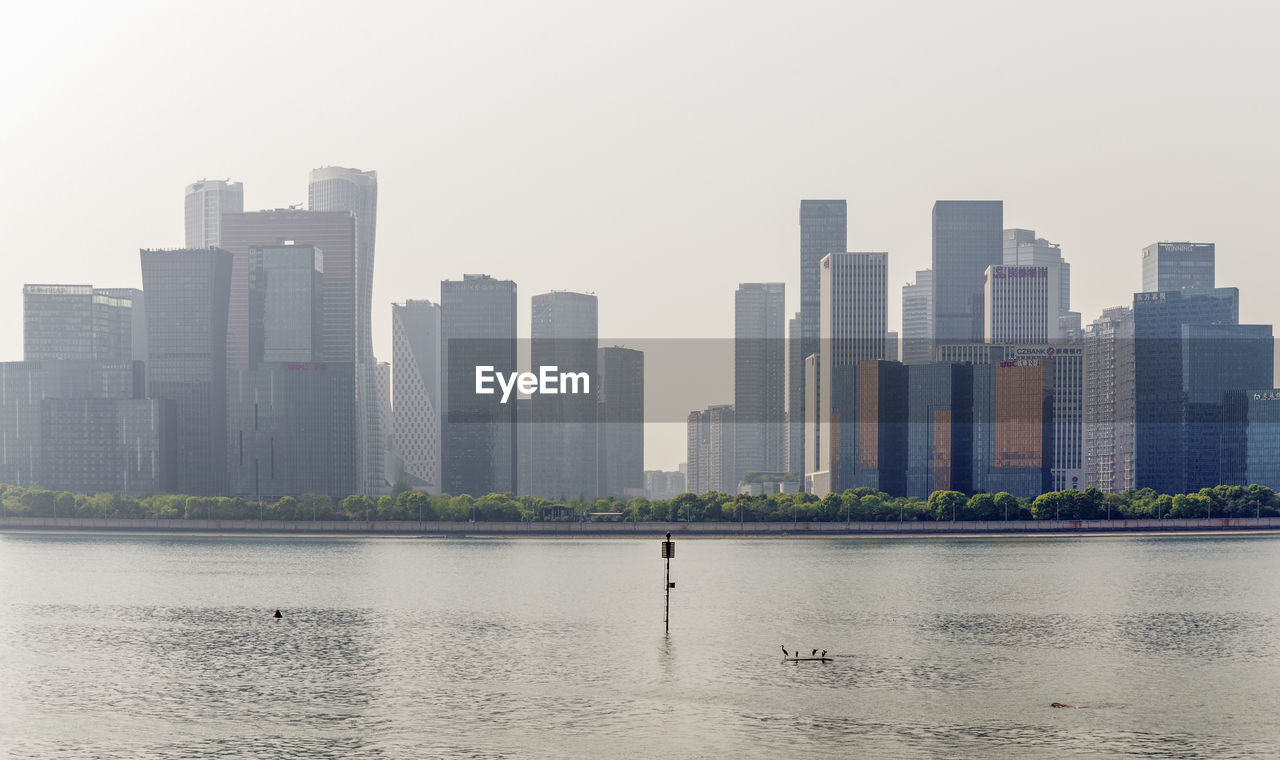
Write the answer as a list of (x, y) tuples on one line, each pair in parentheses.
[(814, 653), (785, 653)]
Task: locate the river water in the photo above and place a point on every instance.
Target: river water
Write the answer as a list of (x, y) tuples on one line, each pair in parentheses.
[(164, 647)]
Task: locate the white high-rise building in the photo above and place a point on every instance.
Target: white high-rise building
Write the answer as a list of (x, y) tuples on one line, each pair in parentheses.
[(852, 326), (1020, 305), (335, 188), (206, 202), (759, 377), (415, 389), (710, 449), (1109, 398), (1023, 248)]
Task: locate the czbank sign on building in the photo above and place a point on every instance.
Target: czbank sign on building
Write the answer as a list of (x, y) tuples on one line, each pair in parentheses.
[(547, 381)]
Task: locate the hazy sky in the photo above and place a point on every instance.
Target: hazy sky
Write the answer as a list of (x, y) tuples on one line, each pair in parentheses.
[(652, 153)]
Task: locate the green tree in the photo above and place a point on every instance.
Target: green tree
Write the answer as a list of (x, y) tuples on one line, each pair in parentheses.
[(1050, 506), (947, 505), (39, 502), (1006, 506), (287, 509), (982, 506), (358, 507), (1190, 505), (497, 506)]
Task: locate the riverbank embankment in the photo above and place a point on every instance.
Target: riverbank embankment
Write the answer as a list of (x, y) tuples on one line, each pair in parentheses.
[(625, 529)]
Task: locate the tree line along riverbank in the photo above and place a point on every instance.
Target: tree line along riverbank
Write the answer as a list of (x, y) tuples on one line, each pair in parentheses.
[(855, 505)]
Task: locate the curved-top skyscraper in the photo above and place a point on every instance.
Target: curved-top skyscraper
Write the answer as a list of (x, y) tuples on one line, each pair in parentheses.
[(336, 188)]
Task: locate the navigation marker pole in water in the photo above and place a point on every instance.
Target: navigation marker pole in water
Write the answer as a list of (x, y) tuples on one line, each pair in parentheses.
[(668, 551)]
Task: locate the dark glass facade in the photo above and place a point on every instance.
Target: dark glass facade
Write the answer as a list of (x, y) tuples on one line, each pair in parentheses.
[(76, 322), (478, 327), (759, 377), (621, 421), (1160, 407), (879, 430), (187, 296), (62, 423), (107, 445), (1178, 266), (334, 234), (967, 238), (292, 430), (286, 303), (824, 228), (1251, 438), (940, 428), (564, 457), (1217, 359)]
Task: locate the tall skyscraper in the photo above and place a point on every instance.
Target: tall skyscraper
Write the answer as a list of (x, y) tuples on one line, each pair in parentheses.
[(1160, 381), (76, 322), (1177, 266), (386, 425), (852, 328), (1109, 402), (565, 336), (1022, 248), (759, 377), (336, 188), (1216, 360), (187, 296), (333, 234), (824, 228), (966, 240), (478, 328), (290, 418), (710, 449), (206, 202), (917, 319), (415, 367), (795, 397), (621, 422), (1020, 304), (286, 302)]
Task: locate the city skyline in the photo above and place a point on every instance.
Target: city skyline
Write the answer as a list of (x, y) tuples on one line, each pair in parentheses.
[(291, 216), (482, 167)]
